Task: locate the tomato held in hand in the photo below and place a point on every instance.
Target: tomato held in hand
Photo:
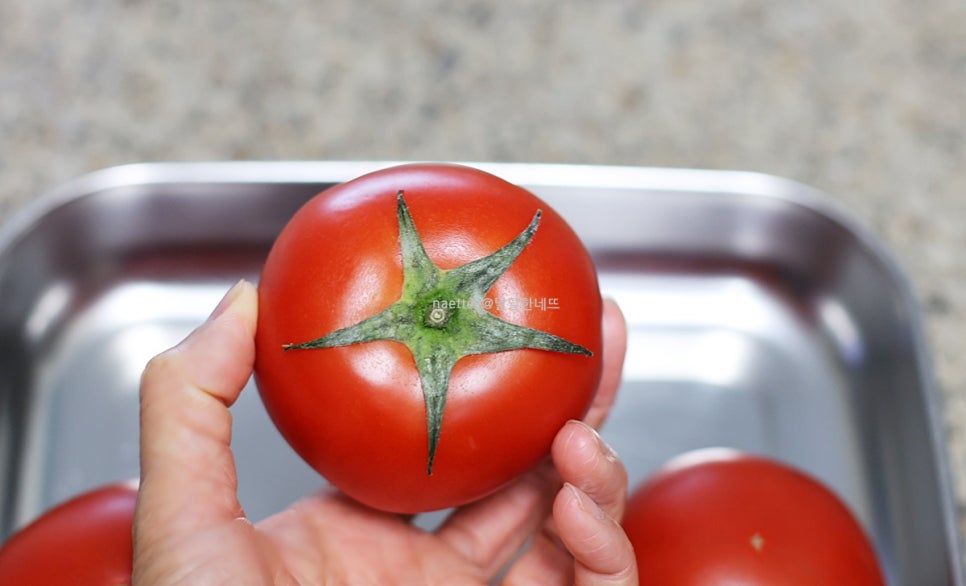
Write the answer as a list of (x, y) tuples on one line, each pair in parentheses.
[(86, 540), (423, 333), (718, 516)]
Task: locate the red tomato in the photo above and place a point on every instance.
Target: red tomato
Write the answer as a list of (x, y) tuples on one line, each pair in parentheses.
[(85, 541), (373, 411), (714, 517)]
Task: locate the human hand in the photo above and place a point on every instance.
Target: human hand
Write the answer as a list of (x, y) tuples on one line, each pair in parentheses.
[(189, 526)]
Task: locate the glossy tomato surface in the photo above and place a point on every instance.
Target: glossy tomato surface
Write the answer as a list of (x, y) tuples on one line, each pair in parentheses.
[(718, 517), (356, 413), (85, 541)]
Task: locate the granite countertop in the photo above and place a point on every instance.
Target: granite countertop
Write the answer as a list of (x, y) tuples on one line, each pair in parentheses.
[(865, 100)]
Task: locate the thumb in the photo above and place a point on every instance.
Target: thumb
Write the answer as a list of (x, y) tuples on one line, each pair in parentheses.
[(188, 480)]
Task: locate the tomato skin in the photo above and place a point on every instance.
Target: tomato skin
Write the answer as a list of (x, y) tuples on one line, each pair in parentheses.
[(85, 541), (356, 413), (716, 516)]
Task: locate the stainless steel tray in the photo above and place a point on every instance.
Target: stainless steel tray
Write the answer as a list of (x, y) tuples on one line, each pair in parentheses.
[(761, 317)]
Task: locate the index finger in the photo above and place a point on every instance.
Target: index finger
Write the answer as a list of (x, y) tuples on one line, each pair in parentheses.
[(615, 344)]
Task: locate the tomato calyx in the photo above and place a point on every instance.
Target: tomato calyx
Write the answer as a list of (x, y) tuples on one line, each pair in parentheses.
[(441, 317)]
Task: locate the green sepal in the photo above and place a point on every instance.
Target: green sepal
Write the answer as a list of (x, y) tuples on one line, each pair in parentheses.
[(440, 318)]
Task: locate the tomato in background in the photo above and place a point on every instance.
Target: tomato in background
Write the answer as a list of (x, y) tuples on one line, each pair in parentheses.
[(359, 412), (718, 517), (85, 541)]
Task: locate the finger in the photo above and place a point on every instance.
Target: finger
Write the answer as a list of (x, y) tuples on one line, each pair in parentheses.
[(490, 532), (615, 347), (583, 459), (188, 476), (602, 553)]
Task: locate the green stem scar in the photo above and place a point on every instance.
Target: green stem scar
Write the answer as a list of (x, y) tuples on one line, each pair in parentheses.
[(440, 318)]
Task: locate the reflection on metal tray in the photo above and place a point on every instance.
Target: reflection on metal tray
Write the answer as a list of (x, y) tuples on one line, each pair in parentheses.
[(760, 318)]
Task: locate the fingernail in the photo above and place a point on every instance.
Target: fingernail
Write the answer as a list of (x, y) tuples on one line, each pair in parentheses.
[(585, 503), (227, 300), (603, 447)]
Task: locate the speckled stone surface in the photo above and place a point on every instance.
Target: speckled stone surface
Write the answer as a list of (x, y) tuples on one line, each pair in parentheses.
[(865, 100)]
